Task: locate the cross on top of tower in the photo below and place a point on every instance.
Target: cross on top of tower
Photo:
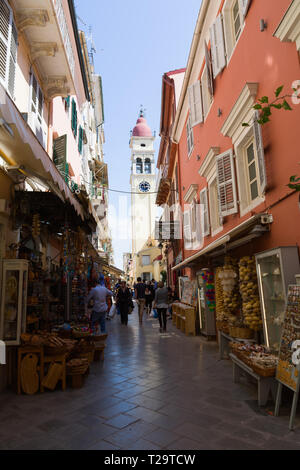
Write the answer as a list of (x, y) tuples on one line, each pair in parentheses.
[(142, 111)]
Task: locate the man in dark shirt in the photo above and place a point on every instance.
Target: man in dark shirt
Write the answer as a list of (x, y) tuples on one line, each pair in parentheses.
[(140, 297)]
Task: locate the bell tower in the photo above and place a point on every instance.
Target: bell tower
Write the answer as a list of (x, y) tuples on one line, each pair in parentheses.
[(143, 184)]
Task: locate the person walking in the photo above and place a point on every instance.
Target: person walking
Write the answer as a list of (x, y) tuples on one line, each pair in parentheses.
[(149, 295), (140, 297), (99, 294), (124, 301), (161, 303)]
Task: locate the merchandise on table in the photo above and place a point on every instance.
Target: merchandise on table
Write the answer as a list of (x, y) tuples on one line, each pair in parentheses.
[(249, 293), (228, 300)]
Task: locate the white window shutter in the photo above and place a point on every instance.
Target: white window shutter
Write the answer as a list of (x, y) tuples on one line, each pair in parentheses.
[(195, 100), (244, 7), (209, 72), (226, 184), (5, 34), (191, 103), (13, 59), (260, 153), (204, 203), (187, 230), (217, 46)]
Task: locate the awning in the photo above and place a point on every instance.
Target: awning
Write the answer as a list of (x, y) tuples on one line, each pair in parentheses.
[(22, 148), (243, 227), (212, 246)]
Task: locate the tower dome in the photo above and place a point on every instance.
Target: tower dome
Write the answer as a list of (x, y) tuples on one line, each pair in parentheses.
[(141, 129)]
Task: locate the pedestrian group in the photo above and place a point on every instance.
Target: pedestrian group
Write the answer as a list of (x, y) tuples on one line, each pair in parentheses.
[(150, 296)]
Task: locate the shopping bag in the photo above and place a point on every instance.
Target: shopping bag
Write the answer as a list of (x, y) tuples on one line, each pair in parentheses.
[(113, 310), (155, 314)]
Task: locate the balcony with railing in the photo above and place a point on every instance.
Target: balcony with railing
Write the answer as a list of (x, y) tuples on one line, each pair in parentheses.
[(163, 184), (48, 33)]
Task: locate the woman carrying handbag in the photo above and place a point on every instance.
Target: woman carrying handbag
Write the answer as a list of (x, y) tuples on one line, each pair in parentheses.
[(124, 302)]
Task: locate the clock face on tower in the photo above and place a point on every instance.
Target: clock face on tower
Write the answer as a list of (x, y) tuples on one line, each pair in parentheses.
[(144, 187)]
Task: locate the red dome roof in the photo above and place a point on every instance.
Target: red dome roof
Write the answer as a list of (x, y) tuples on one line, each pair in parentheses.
[(142, 129)]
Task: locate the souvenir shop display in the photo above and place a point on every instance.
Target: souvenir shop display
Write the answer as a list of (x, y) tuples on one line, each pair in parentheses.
[(228, 301), (249, 293), (276, 270), (288, 369), (13, 302), (206, 302)]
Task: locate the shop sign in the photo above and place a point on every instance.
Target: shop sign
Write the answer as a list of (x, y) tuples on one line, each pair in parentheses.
[(288, 369)]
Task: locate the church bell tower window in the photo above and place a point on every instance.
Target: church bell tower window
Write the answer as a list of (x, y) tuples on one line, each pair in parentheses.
[(148, 166), (139, 166)]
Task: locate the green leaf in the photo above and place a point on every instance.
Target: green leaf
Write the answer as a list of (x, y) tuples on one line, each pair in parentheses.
[(278, 91), (245, 124), (294, 178), (277, 106), (286, 106), (264, 99), (257, 106), (267, 111), (295, 187)]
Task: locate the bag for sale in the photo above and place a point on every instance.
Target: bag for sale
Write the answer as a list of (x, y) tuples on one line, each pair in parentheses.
[(113, 310)]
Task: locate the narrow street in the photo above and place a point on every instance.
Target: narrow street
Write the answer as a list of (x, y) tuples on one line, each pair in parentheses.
[(152, 392)]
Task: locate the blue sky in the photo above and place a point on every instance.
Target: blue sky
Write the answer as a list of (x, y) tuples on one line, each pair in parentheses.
[(137, 41)]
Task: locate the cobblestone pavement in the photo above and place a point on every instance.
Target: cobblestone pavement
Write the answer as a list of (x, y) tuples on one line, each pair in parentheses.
[(151, 392)]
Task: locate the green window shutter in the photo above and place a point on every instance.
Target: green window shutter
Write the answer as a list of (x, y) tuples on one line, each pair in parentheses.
[(60, 156), (80, 140), (74, 118)]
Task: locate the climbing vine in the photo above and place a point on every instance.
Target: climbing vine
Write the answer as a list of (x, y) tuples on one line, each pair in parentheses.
[(265, 107)]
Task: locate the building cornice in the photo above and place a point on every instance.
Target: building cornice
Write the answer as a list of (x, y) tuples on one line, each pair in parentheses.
[(289, 27), (240, 110), (209, 162), (191, 193)]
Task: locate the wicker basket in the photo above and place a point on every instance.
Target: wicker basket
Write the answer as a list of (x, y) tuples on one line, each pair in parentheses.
[(222, 326), (80, 334), (89, 355), (242, 333), (263, 371), (52, 351)]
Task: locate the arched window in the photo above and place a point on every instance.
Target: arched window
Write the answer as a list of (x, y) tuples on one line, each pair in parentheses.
[(148, 166), (139, 166)]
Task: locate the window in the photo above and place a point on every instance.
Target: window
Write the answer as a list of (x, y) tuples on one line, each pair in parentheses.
[(251, 169), (8, 47), (80, 140), (236, 20), (35, 118), (139, 166), (146, 260), (205, 213), (226, 183), (195, 103), (148, 166), (74, 118), (67, 102), (190, 136), (60, 156), (206, 95), (217, 42), (226, 31), (214, 208), (37, 98)]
